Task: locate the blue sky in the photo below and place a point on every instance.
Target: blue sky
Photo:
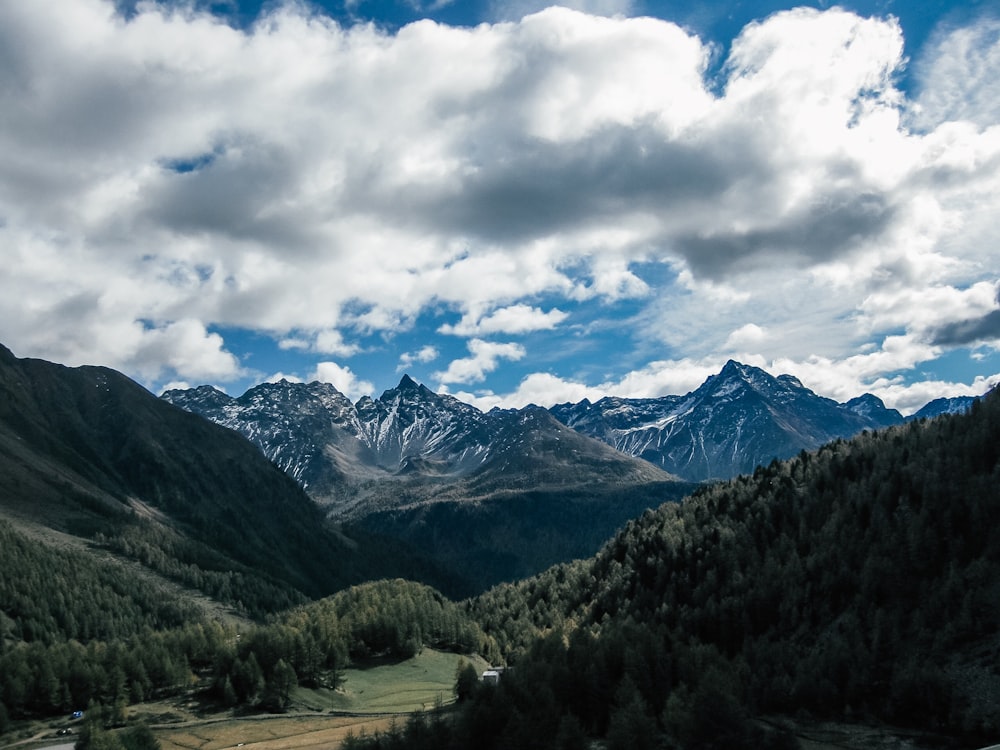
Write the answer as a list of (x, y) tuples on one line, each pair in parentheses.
[(511, 203)]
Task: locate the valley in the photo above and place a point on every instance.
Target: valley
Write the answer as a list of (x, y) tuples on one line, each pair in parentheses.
[(372, 698), (165, 576)]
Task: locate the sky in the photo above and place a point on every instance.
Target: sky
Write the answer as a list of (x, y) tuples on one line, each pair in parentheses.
[(509, 202)]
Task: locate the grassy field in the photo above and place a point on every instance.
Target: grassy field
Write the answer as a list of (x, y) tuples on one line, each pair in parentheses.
[(390, 686), (271, 733), (371, 697)]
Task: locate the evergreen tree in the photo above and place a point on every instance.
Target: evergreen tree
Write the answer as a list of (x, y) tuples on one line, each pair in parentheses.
[(139, 737), (630, 725), (466, 681)]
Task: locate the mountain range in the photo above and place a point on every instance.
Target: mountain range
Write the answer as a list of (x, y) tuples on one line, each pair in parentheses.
[(411, 445), (441, 493), (88, 455), (343, 453), (497, 495), (735, 421), (411, 482)]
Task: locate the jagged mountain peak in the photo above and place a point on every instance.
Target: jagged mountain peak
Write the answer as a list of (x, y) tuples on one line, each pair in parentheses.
[(410, 391), (791, 381), (736, 372), (285, 391), (340, 451), (732, 368), (865, 403), (737, 419), (282, 386), (407, 383), (939, 406), (871, 408), (203, 394), (735, 380)]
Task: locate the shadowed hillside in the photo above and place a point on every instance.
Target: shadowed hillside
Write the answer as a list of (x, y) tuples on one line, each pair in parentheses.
[(857, 583), (89, 452)]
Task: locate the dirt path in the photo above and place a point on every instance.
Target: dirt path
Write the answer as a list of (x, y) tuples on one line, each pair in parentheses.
[(299, 732)]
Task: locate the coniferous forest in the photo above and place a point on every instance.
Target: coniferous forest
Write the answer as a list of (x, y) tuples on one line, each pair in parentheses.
[(858, 582)]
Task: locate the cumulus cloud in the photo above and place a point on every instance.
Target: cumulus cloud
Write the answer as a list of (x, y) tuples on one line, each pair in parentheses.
[(840, 380), (486, 357), (328, 341), (423, 355), (748, 336), (166, 176), (985, 329), (343, 379), (513, 319), (514, 10), (660, 378)]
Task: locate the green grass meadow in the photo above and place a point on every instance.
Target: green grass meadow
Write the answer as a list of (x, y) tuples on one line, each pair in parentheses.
[(383, 686)]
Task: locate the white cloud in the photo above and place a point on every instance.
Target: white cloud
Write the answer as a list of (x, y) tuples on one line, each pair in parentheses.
[(331, 341), (961, 77), (277, 377), (343, 379), (910, 398), (486, 356), (840, 380), (660, 378), (748, 336), (423, 355), (513, 319), (179, 385), (514, 10), (294, 342), (183, 346), (169, 176), (327, 341)]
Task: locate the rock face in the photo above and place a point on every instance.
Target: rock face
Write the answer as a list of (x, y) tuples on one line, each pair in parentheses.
[(341, 452), (409, 445), (939, 406), (735, 421)]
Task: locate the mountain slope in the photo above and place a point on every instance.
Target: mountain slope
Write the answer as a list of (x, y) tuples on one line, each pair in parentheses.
[(87, 451), (857, 581), (410, 445), (737, 420), (939, 406), (497, 496)]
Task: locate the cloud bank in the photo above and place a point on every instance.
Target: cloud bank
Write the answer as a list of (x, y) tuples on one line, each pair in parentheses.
[(167, 176)]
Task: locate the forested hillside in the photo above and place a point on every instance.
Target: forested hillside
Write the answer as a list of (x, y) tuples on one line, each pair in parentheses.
[(861, 582), (136, 540), (89, 452), (95, 640)]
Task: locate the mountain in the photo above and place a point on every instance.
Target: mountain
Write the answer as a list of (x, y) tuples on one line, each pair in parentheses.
[(737, 420), (855, 584), (308, 431), (496, 496), (89, 453), (939, 406), (410, 445)]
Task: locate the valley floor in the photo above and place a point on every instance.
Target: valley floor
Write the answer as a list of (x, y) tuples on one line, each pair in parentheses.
[(178, 727), (371, 698)]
